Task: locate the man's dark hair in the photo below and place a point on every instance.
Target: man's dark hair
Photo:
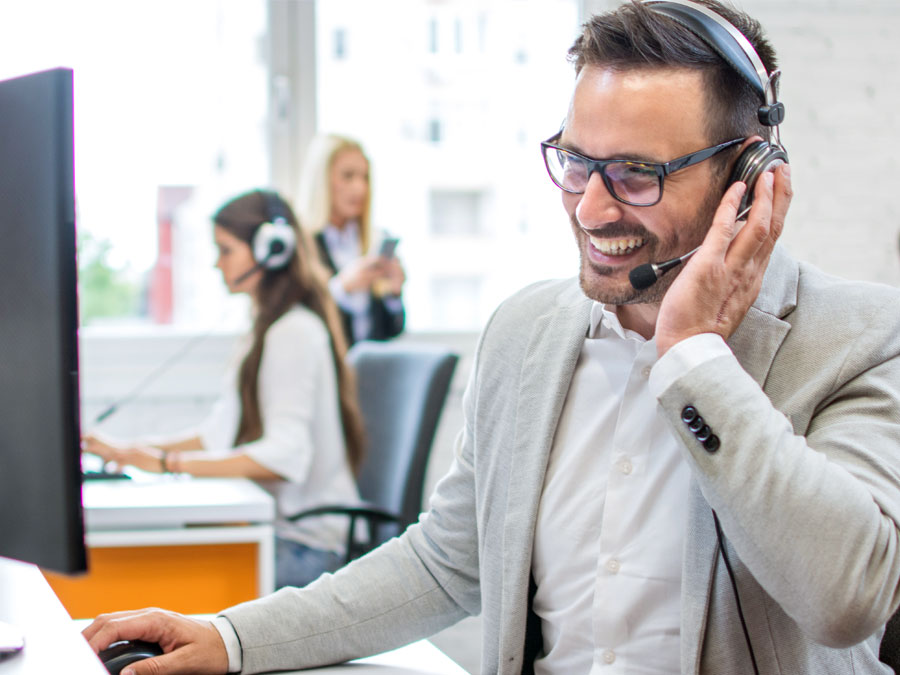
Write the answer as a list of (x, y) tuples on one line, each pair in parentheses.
[(635, 36)]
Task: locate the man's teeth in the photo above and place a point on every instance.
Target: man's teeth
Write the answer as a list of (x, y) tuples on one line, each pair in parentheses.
[(616, 246)]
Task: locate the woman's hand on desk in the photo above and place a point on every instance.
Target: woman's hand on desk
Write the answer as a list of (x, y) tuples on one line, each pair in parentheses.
[(190, 645), (146, 458)]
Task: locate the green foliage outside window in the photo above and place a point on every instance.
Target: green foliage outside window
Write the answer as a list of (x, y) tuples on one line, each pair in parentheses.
[(104, 291)]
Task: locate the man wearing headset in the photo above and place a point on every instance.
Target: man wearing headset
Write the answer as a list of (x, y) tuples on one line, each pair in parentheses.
[(700, 476)]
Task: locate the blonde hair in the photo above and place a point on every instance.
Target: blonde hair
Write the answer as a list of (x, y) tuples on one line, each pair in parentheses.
[(314, 193)]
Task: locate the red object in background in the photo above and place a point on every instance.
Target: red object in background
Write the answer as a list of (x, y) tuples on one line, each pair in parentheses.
[(161, 300)]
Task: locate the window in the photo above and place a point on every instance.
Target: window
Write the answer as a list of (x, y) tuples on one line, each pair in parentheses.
[(175, 110), (433, 35), (468, 194), (455, 213), (340, 44), (434, 130), (167, 95)]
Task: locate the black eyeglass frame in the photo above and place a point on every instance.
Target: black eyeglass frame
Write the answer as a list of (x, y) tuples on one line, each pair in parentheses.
[(662, 169)]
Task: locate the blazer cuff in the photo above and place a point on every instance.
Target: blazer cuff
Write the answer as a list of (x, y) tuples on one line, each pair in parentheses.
[(232, 643), (683, 357)]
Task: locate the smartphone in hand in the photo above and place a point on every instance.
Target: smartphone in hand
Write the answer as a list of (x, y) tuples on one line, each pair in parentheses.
[(388, 246)]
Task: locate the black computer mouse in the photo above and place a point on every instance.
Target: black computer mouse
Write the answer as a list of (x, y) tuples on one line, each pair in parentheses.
[(120, 654)]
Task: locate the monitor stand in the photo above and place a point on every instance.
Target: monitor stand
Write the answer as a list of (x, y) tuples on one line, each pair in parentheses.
[(11, 639)]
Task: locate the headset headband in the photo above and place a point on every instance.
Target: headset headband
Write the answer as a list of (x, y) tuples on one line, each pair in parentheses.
[(274, 207), (733, 46)]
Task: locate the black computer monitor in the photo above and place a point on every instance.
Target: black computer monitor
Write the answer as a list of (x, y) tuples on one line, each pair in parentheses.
[(41, 518)]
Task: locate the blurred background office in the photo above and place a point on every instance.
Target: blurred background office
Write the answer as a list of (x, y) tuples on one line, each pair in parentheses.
[(179, 105)]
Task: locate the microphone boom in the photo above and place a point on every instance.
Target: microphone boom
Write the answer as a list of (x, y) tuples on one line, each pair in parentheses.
[(644, 276)]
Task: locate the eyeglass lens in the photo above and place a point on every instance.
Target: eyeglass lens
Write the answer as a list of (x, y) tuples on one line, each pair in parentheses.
[(632, 182)]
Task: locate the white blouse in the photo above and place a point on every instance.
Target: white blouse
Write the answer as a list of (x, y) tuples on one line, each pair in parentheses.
[(303, 439)]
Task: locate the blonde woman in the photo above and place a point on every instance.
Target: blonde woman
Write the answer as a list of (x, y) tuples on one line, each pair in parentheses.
[(289, 417), (333, 201)]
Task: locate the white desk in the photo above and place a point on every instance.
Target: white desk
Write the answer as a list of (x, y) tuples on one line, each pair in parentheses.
[(53, 642), (193, 545), (167, 502), (419, 658)]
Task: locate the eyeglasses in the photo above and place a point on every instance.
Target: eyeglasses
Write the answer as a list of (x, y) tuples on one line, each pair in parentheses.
[(631, 182)]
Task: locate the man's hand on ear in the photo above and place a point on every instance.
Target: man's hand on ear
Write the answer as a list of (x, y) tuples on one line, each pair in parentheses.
[(717, 286)]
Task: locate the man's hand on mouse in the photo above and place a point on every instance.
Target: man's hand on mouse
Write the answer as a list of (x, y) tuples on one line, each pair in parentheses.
[(190, 645)]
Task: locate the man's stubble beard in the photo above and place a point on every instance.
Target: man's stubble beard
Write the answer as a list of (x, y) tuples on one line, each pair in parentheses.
[(655, 293)]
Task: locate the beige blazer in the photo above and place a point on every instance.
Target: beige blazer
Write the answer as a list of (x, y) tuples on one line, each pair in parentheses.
[(806, 483)]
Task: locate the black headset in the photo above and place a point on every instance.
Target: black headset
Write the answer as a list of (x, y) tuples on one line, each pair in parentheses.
[(735, 49), (274, 241)]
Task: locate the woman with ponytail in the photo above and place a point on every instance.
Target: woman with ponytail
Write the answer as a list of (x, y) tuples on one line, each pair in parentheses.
[(288, 418)]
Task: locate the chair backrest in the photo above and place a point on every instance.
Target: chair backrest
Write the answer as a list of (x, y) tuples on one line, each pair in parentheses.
[(890, 643), (402, 389)]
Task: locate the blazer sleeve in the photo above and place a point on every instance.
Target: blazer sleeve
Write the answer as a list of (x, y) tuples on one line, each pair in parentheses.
[(388, 318), (811, 512)]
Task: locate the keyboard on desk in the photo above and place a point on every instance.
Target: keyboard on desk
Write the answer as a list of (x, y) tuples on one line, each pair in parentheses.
[(104, 475)]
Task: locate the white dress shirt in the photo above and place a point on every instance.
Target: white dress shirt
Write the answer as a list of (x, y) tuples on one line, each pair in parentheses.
[(610, 531), (303, 438)]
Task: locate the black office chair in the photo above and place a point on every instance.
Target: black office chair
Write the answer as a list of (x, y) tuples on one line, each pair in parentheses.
[(890, 644), (402, 389)]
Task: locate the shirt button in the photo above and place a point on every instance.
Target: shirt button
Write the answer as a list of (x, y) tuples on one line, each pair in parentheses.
[(613, 565), (625, 466), (609, 656), (645, 371)]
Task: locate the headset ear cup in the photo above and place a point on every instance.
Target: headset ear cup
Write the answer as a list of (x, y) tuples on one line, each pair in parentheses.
[(756, 159), (274, 244)]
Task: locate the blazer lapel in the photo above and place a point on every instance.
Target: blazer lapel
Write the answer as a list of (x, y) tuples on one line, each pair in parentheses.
[(757, 339), (700, 551), (546, 372), (754, 343)]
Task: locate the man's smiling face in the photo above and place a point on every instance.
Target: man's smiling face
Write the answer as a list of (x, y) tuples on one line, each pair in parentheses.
[(651, 115)]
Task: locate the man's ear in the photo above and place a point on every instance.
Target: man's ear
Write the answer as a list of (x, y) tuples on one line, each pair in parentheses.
[(750, 140)]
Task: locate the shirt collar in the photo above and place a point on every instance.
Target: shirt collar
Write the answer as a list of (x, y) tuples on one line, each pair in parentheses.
[(605, 323), (344, 237)]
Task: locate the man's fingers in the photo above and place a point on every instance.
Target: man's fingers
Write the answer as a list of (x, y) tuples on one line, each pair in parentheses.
[(167, 664), (129, 625), (180, 661), (721, 233), (752, 239), (784, 193)]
